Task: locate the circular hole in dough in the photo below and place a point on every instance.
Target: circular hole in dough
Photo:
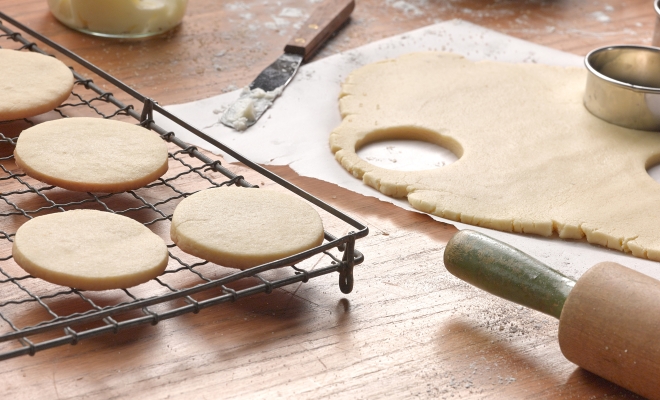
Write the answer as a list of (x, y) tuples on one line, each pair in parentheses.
[(242, 228), (654, 172), (89, 250), (31, 83), (91, 154), (406, 155)]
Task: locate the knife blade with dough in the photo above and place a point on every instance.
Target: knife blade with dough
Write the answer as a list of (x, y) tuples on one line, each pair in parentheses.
[(255, 99)]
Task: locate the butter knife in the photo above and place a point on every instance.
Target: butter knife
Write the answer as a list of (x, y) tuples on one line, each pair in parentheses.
[(255, 99)]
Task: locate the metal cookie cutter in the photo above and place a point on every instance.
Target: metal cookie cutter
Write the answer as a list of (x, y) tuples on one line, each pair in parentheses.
[(623, 86)]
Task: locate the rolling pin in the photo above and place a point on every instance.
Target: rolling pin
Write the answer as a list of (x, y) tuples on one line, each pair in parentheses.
[(609, 320)]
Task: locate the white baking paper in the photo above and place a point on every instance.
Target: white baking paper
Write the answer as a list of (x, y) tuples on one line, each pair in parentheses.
[(294, 131)]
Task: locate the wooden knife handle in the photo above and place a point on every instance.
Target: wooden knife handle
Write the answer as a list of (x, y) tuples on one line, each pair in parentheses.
[(329, 16)]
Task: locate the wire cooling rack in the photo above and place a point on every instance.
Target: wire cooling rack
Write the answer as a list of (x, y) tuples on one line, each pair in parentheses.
[(36, 315)]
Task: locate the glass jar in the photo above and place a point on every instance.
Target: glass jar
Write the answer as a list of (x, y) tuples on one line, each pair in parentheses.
[(119, 18)]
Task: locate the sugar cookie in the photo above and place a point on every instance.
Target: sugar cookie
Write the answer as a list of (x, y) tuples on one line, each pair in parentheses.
[(31, 84), (91, 154), (241, 228), (89, 250)]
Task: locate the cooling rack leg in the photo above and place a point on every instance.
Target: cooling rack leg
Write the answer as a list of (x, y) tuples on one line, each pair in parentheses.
[(147, 116), (346, 273)]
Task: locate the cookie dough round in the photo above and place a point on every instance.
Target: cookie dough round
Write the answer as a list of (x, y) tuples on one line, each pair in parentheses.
[(31, 84), (241, 228), (89, 250), (91, 154)]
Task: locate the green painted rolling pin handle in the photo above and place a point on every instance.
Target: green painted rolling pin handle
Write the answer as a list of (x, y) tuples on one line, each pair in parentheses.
[(608, 324), (506, 272)]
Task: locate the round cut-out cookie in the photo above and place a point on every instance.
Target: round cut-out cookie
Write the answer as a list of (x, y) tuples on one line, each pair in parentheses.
[(91, 154), (31, 84), (532, 159), (241, 228), (89, 250)]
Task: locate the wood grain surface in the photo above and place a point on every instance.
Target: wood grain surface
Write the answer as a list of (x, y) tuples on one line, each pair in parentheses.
[(408, 329)]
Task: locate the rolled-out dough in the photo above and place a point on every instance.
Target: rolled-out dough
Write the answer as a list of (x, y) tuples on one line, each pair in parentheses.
[(89, 250), (31, 84), (242, 228), (532, 159), (91, 154)]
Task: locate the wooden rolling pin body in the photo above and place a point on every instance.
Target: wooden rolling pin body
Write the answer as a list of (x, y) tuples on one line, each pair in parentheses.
[(609, 321), (610, 325)]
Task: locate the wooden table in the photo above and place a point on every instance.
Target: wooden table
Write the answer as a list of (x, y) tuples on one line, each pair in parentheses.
[(409, 329)]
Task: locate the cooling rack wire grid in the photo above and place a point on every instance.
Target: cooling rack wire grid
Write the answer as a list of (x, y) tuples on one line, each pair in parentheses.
[(36, 315)]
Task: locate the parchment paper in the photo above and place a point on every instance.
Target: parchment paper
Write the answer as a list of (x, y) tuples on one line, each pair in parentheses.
[(294, 131)]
